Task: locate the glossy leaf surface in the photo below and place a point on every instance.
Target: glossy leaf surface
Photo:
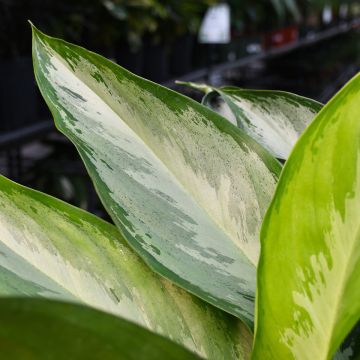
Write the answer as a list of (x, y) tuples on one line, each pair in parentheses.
[(38, 329), (187, 189), (309, 270), (275, 119), (51, 249)]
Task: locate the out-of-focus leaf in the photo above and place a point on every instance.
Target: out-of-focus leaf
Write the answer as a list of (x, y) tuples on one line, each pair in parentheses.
[(309, 270), (54, 250), (350, 348), (186, 188), (39, 329), (275, 119)]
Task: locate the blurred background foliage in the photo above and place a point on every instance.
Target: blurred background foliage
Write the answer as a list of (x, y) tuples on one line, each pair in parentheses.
[(102, 24), (310, 47)]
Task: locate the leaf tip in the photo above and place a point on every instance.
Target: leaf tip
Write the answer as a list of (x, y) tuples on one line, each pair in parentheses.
[(197, 86), (33, 27), (35, 30)]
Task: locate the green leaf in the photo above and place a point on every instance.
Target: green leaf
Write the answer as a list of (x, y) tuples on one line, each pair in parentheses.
[(350, 348), (42, 329), (309, 270), (293, 9), (275, 119), (186, 188), (51, 249)]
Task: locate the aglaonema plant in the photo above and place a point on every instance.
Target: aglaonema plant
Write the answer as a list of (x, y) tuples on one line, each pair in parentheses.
[(275, 119), (188, 192), (54, 250)]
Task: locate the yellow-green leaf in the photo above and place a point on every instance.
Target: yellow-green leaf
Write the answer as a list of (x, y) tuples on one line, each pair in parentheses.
[(309, 270)]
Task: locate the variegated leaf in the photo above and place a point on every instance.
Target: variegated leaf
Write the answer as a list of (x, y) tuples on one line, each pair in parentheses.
[(53, 250), (186, 188), (38, 329), (275, 119), (309, 270)]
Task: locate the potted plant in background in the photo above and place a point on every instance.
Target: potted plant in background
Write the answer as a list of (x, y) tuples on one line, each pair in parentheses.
[(140, 41), (249, 20), (186, 17), (157, 35), (15, 69), (283, 27), (132, 21), (80, 21)]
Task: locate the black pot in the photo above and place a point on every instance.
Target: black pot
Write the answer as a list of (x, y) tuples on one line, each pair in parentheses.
[(156, 63), (181, 55), (18, 94), (129, 59)]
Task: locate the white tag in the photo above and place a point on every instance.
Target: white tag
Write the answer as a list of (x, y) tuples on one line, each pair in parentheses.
[(327, 15), (215, 27)]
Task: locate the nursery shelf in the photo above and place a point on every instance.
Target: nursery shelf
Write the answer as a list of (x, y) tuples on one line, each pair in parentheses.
[(309, 39), (26, 134), (12, 142)]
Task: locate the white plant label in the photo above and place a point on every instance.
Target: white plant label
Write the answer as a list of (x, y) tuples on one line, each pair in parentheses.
[(215, 27)]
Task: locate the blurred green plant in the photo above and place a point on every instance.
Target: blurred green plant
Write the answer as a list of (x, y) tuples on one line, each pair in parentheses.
[(257, 16), (161, 20)]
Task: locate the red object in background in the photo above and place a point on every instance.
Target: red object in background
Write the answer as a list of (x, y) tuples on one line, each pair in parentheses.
[(281, 37)]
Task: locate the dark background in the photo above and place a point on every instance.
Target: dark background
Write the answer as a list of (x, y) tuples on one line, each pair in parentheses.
[(309, 47)]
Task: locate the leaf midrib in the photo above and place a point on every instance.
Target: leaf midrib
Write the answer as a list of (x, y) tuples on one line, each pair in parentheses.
[(181, 185)]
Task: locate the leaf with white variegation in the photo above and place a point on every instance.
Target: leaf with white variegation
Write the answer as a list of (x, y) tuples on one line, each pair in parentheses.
[(186, 188), (275, 119), (39, 329), (309, 269), (54, 250)]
